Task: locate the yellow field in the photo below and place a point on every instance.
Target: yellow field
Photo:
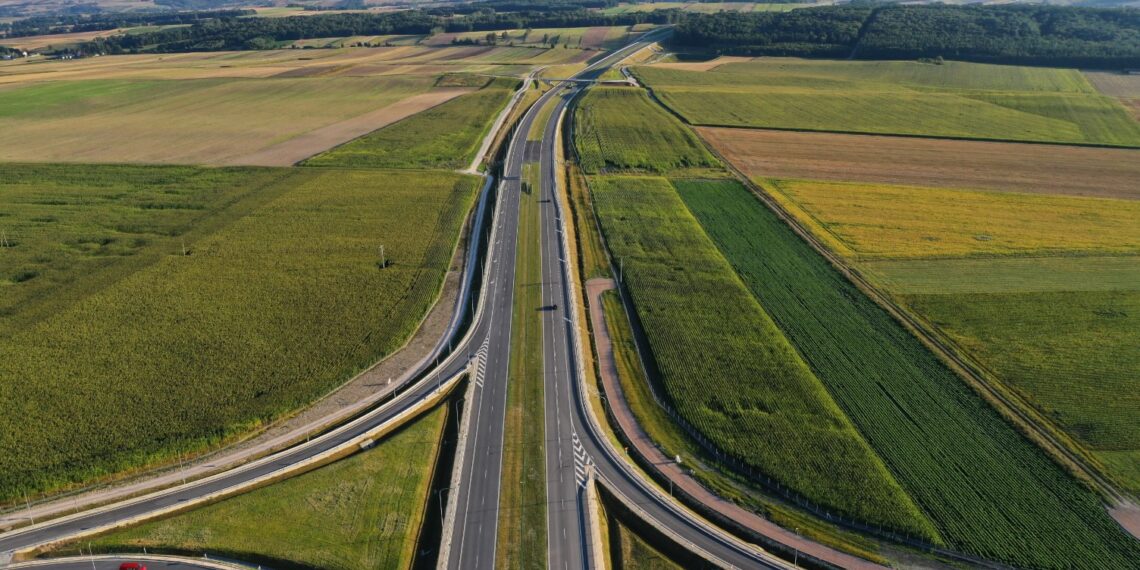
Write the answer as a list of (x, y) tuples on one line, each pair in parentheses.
[(869, 221)]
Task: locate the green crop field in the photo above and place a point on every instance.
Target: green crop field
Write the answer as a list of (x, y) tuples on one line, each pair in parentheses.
[(618, 128), (361, 512), (1074, 355), (988, 490), (160, 310), (1020, 282), (726, 367), (961, 100), (447, 136)]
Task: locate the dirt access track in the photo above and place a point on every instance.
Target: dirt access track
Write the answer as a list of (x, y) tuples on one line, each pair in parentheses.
[(316, 141), (1000, 166)]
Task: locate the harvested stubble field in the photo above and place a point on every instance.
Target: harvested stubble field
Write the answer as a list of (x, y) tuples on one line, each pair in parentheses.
[(447, 136), (620, 128), (131, 347), (728, 369), (956, 100), (361, 512), (988, 490), (1047, 169), (199, 121), (313, 142)]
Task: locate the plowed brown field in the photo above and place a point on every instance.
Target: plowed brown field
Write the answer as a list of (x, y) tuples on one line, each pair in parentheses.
[(1017, 167)]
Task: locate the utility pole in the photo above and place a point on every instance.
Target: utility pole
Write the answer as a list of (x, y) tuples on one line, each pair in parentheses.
[(28, 506), (383, 260)]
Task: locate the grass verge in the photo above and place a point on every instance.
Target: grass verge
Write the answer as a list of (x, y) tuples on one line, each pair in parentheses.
[(364, 511)]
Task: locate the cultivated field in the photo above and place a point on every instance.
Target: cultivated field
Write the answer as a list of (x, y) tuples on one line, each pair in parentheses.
[(197, 121), (988, 490), (726, 367), (619, 128), (600, 37), (225, 108), (957, 100), (351, 62), (1021, 282), (306, 145), (161, 310), (361, 512), (869, 221), (1046, 169), (447, 136), (57, 40)]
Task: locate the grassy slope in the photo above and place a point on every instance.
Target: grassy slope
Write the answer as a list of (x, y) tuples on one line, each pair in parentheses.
[(447, 136), (361, 512), (187, 121), (593, 254), (868, 221), (634, 553), (989, 491), (956, 99), (620, 128), (727, 368), (231, 325), (522, 528)]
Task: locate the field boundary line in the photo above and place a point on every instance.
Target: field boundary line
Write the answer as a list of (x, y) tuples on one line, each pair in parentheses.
[(1040, 434)]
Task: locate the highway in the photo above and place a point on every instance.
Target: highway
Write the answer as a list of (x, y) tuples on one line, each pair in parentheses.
[(475, 495), (573, 438)]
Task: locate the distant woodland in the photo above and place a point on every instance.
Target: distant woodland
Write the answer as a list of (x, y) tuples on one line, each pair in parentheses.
[(1014, 34)]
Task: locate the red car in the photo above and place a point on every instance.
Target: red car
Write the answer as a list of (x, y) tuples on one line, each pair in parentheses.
[(131, 566)]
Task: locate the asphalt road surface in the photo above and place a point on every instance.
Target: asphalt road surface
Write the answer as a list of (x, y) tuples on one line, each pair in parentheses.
[(476, 524), (112, 563)]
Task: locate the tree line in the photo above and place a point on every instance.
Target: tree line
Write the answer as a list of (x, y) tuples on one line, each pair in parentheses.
[(1010, 34), (71, 23)]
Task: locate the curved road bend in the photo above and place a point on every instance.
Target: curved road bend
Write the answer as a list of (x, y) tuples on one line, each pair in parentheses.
[(112, 562)]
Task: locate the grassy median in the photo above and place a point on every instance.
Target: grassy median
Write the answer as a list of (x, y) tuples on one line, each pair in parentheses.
[(522, 516)]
